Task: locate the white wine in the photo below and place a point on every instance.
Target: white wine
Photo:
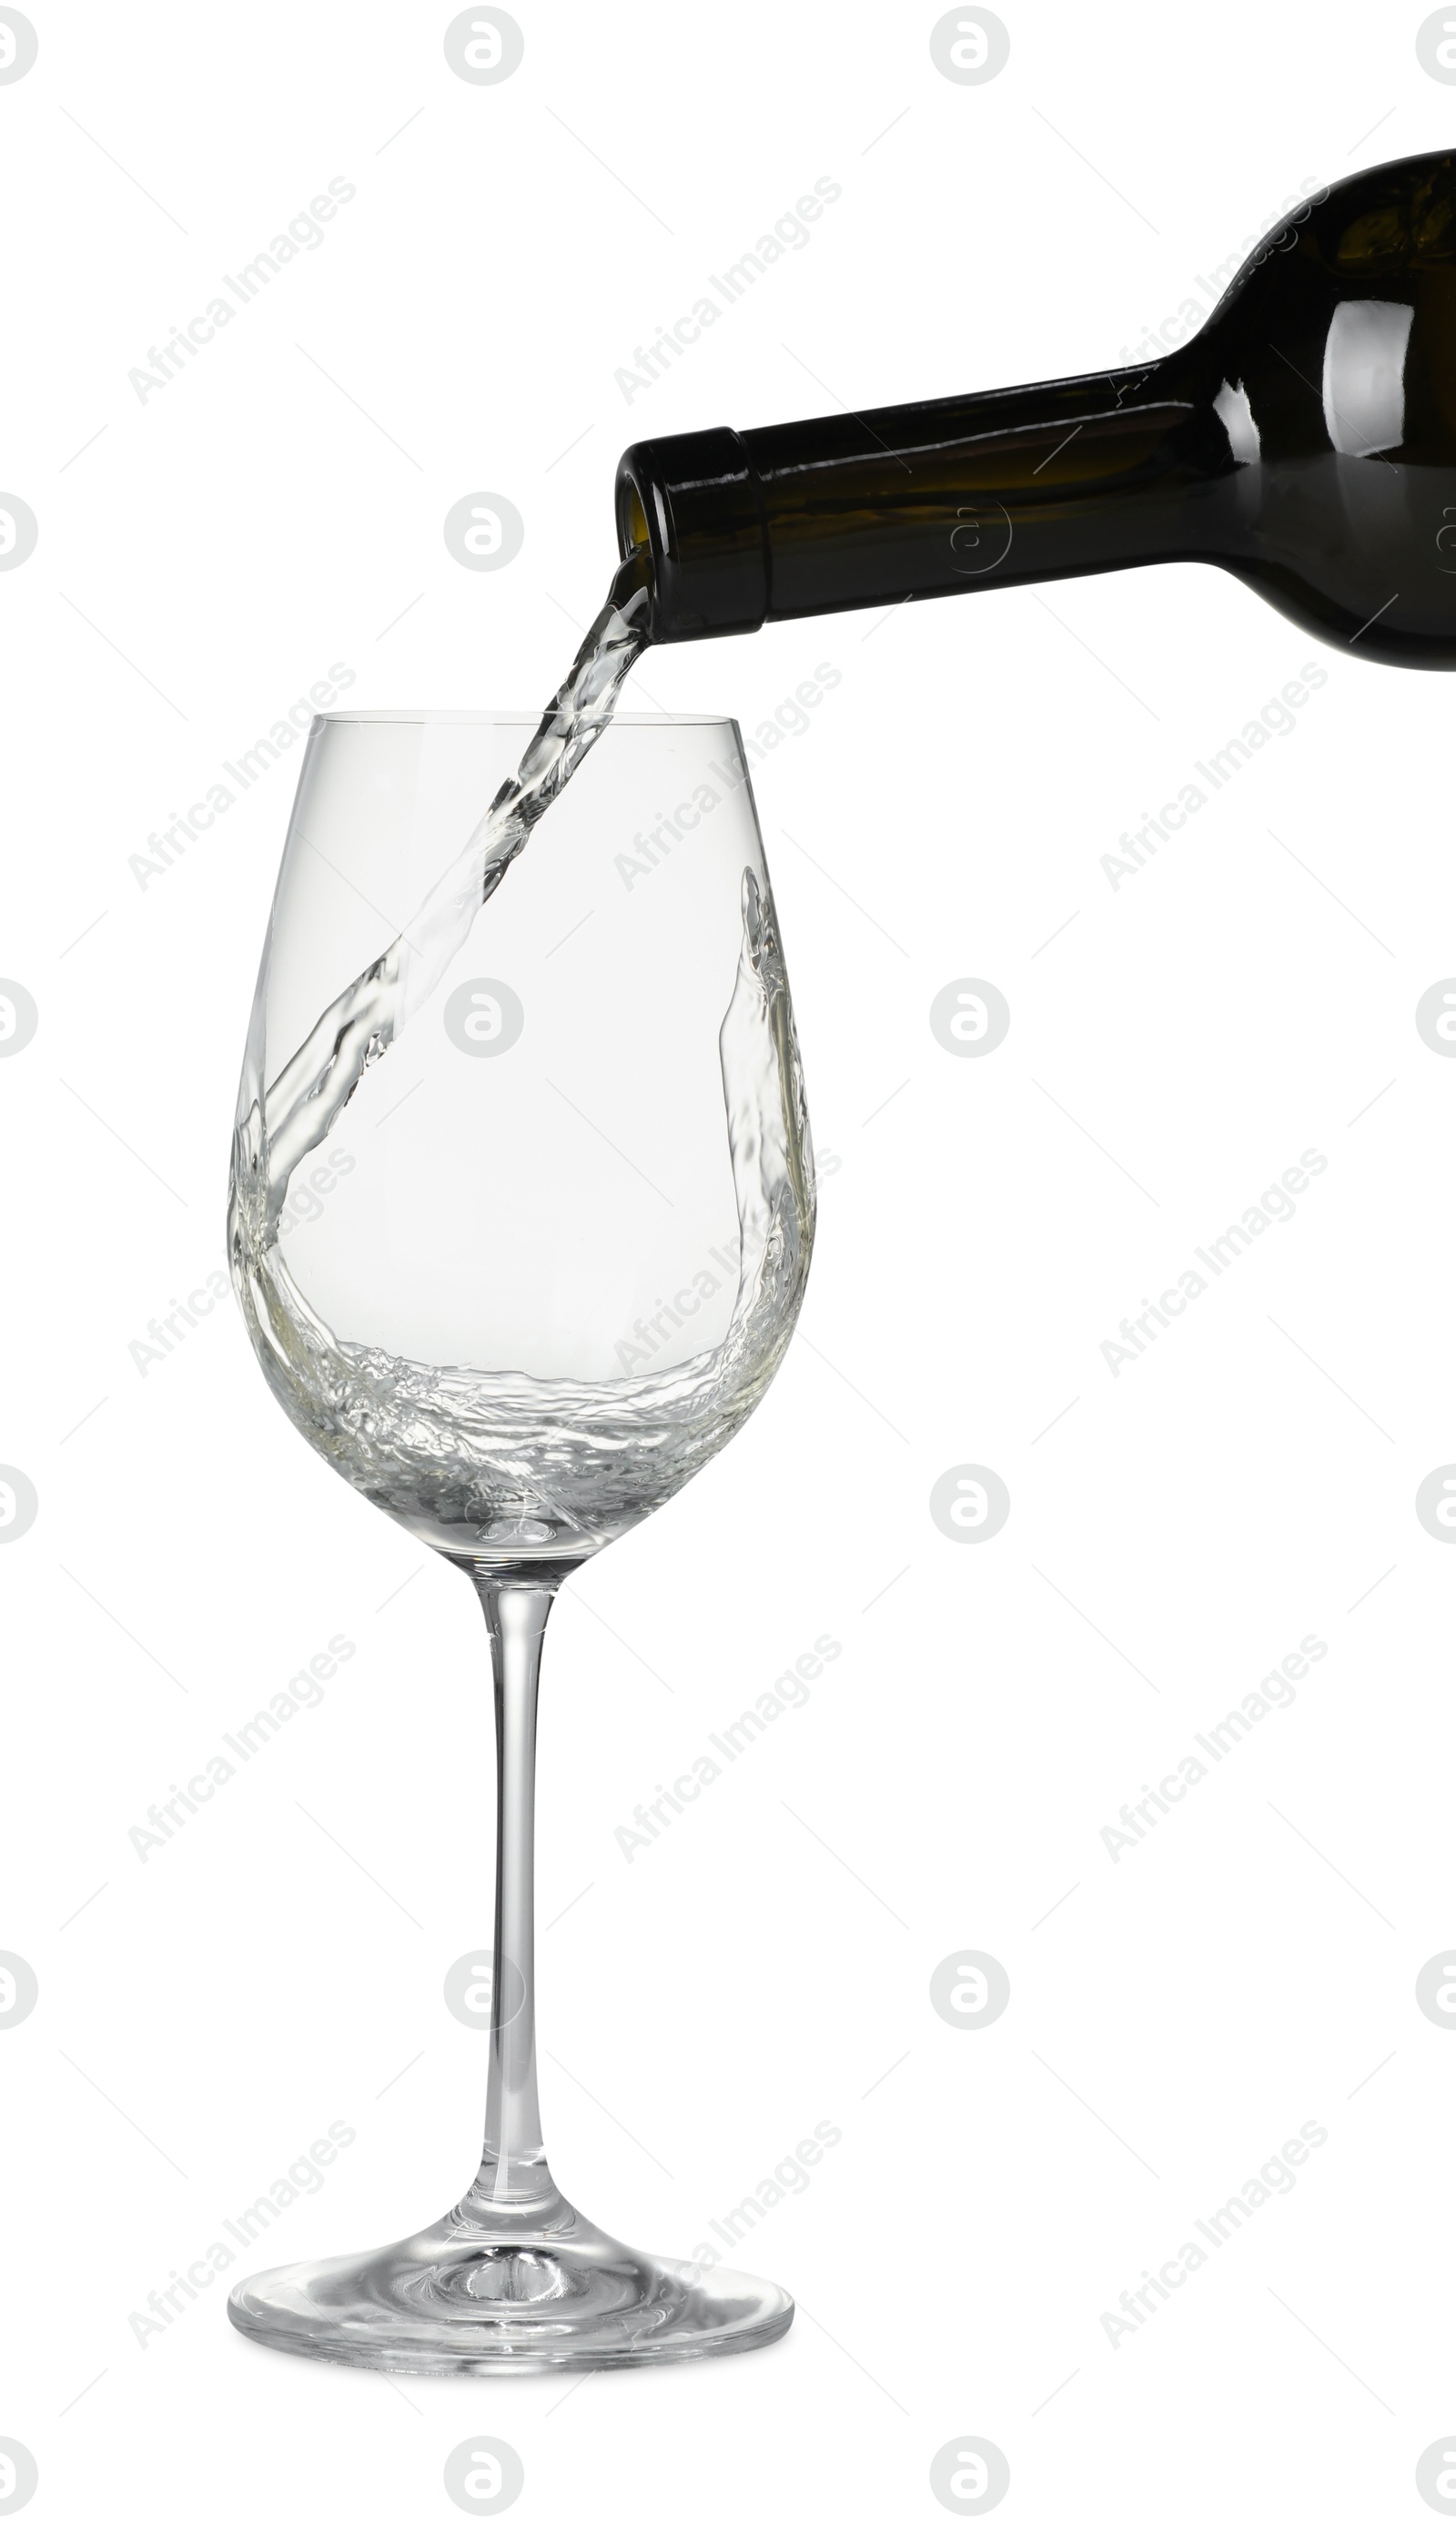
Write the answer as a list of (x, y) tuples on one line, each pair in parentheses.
[(498, 1467)]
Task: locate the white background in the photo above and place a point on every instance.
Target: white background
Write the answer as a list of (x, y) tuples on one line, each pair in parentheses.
[(1175, 1530)]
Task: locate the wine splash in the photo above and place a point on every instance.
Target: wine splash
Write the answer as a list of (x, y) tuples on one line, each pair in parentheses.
[(501, 1469)]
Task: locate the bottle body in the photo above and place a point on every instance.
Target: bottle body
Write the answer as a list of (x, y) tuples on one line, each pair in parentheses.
[(1305, 440)]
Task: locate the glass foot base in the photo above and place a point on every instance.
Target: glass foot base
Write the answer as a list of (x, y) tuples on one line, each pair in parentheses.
[(482, 2292)]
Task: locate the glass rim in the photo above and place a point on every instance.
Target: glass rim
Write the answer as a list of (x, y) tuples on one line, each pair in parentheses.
[(531, 719)]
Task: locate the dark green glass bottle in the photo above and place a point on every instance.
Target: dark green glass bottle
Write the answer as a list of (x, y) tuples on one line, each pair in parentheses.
[(1305, 440)]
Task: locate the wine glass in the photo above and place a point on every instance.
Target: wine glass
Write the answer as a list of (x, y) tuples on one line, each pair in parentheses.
[(563, 1215)]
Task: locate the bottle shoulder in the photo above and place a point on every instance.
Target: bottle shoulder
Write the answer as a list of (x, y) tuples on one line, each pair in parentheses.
[(1339, 333)]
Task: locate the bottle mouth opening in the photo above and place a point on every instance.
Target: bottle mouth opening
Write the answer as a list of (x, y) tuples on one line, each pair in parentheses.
[(633, 523), (688, 511)]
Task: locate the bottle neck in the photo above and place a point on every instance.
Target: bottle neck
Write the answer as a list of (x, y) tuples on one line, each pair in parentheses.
[(866, 509)]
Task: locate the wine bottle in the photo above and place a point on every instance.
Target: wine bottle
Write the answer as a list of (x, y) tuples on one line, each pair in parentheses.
[(1305, 440)]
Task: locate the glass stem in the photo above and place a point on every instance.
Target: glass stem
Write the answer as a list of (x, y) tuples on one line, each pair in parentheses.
[(513, 2171)]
